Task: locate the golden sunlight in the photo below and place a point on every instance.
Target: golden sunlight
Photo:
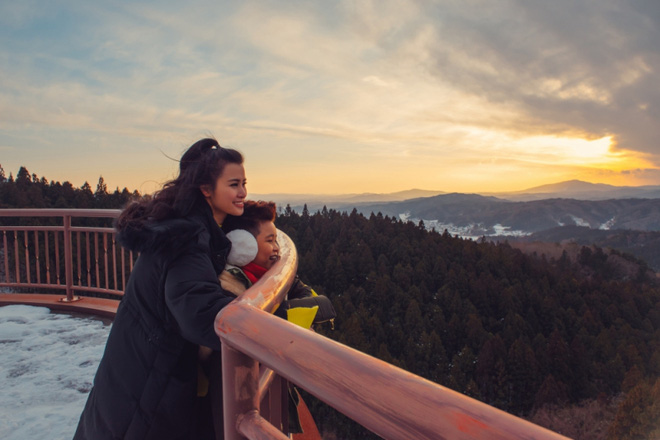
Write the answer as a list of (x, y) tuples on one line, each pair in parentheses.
[(575, 151), (597, 150), (582, 152)]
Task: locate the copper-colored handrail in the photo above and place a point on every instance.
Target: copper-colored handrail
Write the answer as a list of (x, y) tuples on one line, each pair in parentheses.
[(387, 400)]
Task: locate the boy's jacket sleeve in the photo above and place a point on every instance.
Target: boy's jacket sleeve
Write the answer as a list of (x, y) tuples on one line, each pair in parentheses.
[(302, 316)]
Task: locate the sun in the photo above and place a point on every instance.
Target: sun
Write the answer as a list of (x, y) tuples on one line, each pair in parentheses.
[(573, 151), (589, 150), (580, 152)]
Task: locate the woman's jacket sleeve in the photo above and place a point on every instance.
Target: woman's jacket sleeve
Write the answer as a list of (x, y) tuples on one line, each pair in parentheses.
[(194, 297)]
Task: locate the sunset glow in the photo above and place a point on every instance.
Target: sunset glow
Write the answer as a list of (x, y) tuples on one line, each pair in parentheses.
[(576, 151), (339, 97)]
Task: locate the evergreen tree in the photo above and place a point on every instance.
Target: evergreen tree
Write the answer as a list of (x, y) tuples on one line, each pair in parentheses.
[(101, 189), (23, 177), (31, 191)]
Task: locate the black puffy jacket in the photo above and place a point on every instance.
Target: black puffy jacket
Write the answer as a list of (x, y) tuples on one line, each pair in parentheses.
[(146, 383)]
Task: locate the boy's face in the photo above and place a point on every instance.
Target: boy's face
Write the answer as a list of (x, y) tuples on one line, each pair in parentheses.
[(268, 249)]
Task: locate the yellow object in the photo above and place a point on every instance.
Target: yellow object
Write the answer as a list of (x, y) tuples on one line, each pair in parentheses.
[(302, 316)]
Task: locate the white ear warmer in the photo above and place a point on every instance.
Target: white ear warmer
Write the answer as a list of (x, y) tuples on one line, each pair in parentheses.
[(243, 247)]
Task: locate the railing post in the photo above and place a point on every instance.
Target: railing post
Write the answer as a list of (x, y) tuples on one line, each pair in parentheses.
[(240, 387), (68, 260)]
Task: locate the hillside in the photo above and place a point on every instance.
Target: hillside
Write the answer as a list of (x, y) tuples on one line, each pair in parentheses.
[(479, 215), (644, 245), (522, 332)]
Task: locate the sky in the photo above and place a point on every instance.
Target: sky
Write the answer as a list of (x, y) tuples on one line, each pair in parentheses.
[(47, 364), (334, 97)]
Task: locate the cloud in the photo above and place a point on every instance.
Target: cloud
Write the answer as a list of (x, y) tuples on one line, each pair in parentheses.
[(376, 81), (369, 80), (582, 65)]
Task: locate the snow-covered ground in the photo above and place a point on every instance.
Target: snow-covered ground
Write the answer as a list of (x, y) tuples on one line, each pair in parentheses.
[(472, 231), (47, 363)]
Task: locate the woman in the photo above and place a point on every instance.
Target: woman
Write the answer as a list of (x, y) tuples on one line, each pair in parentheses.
[(146, 383)]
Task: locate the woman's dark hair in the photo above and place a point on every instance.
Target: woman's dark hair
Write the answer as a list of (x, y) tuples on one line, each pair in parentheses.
[(254, 213), (200, 165)]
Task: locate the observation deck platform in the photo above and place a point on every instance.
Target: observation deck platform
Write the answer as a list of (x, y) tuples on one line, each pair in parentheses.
[(106, 308)]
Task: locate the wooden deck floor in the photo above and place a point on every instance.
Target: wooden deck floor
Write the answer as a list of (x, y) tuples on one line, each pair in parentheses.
[(106, 308)]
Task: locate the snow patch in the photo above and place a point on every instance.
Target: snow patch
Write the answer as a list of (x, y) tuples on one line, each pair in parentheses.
[(48, 361), (580, 222), (607, 225), (472, 231)]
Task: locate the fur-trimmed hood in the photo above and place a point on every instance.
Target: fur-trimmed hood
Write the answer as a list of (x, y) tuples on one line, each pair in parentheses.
[(165, 235), (174, 234)]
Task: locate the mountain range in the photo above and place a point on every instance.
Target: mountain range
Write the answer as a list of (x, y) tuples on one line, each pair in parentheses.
[(577, 189), (620, 217), (477, 215), (570, 203), (570, 189)]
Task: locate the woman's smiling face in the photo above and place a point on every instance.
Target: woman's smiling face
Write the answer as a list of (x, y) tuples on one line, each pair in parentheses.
[(229, 193), (268, 249)]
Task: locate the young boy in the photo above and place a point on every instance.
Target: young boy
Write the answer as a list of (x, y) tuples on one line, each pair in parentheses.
[(254, 250)]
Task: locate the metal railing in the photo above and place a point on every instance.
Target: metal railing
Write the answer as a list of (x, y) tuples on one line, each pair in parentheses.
[(257, 346), (54, 254)]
